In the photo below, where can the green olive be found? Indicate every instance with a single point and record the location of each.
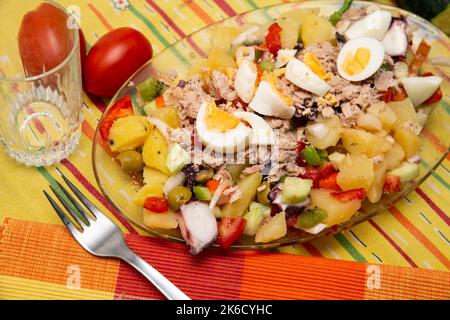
(130, 160)
(204, 175)
(178, 196)
(263, 195)
(235, 170)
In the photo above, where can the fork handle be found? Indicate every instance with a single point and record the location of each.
(167, 288)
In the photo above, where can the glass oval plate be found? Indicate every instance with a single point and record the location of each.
(119, 188)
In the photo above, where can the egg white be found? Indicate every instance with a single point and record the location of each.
(267, 101)
(376, 57)
(302, 76)
(244, 82)
(262, 133)
(225, 142)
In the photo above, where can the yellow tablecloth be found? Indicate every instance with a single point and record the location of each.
(415, 233)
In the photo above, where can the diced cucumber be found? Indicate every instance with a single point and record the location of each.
(295, 190)
(150, 89)
(310, 217)
(406, 171)
(177, 158)
(256, 213)
(202, 193)
(149, 107)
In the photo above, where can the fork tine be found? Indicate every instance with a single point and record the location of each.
(85, 217)
(70, 209)
(62, 215)
(92, 208)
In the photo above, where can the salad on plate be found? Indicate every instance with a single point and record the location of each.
(287, 125)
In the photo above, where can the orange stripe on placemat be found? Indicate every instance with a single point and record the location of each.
(391, 282)
(100, 17)
(435, 141)
(285, 276)
(199, 11)
(419, 236)
(48, 253)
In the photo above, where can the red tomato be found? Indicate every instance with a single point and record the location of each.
(113, 59)
(300, 146)
(393, 94)
(344, 196)
(312, 174)
(273, 39)
(437, 95)
(44, 39)
(325, 169)
(229, 230)
(392, 184)
(156, 204)
(120, 109)
(330, 182)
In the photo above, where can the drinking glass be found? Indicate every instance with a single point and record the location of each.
(40, 81)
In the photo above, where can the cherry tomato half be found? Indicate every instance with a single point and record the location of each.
(229, 230)
(113, 59)
(156, 204)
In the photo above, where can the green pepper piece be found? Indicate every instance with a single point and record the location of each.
(311, 156)
(267, 65)
(335, 17)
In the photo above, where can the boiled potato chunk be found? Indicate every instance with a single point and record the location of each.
(274, 229)
(356, 171)
(154, 152)
(405, 112)
(289, 32)
(386, 115)
(247, 186)
(376, 189)
(168, 114)
(338, 212)
(394, 156)
(362, 142)
(153, 176)
(148, 190)
(315, 29)
(166, 220)
(217, 60)
(324, 133)
(128, 133)
(223, 36)
(408, 141)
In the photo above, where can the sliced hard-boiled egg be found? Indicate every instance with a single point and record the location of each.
(244, 53)
(360, 58)
(314, 64)
(244, 82)
(374, 25)
(269, 101)
(302, 76)
(419, 89)
(220, 130)
(262, 133)
(283, 57)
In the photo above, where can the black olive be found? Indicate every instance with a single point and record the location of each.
(340, 38)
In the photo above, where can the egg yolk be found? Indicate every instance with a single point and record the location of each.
(219, 120)
(354, 64)
(314, 64)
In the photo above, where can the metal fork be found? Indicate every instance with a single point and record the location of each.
(101, 237)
